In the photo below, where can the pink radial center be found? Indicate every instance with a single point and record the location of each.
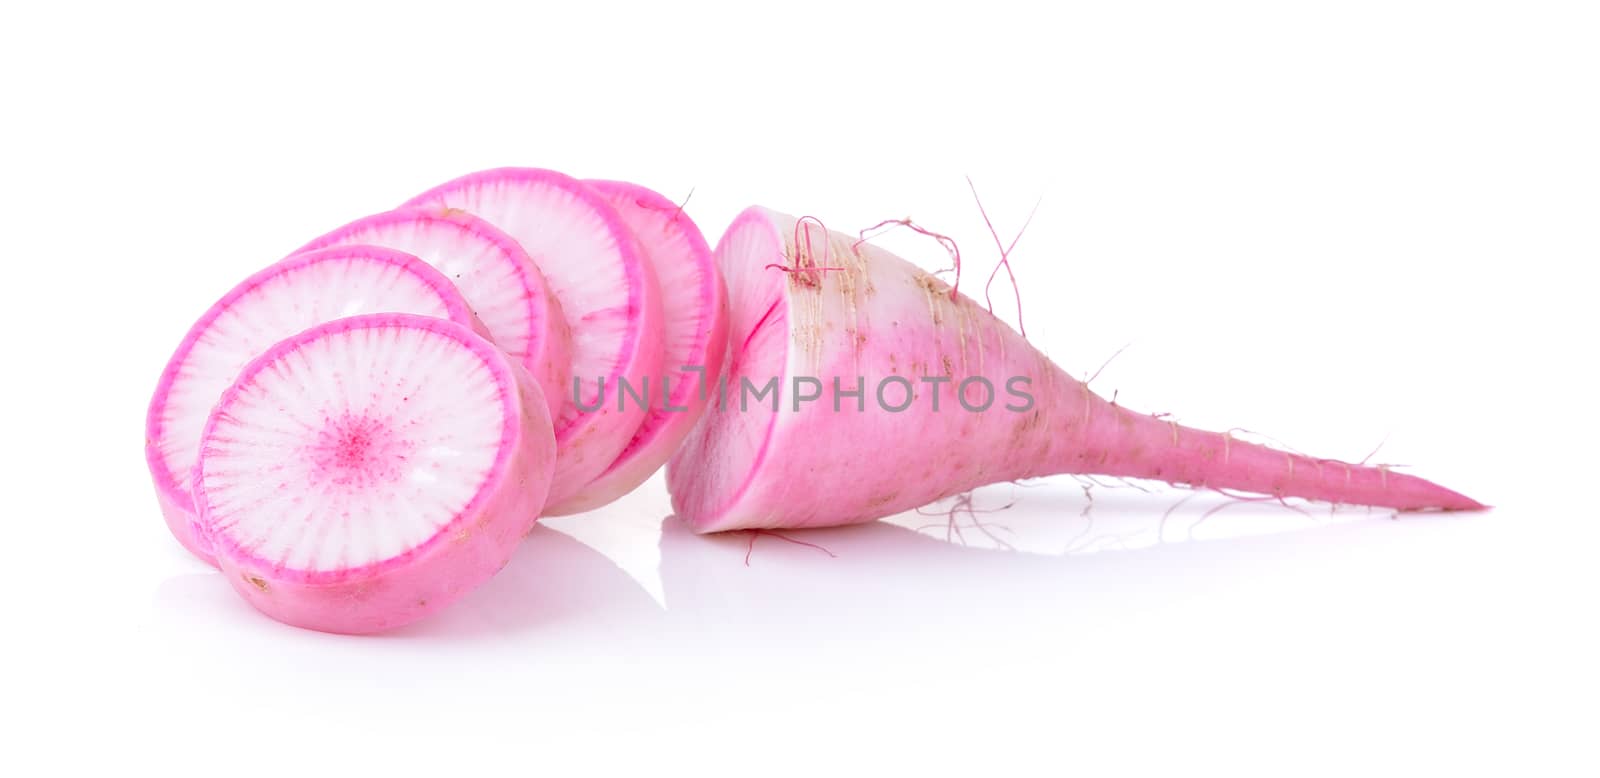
(357, 451)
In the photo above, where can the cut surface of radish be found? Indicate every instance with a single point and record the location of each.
(282, 300)
(607, 290)
(717, 463)
(502, 285)
(367, 472)
(694, 341)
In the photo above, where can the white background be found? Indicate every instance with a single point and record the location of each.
(1339, 223)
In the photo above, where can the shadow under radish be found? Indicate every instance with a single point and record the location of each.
(878, 584)
(1061, 573)
(556, 586)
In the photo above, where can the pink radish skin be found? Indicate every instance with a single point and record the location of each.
(607, 289)
(502, 285)
(370, 471)
(696, 321)
(279, 301)
(878, 316)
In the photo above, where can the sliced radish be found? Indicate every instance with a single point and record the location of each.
(714, 467)
(695, 339)
(501, 284)
(369, 471)
(286, 298)
(607, 290)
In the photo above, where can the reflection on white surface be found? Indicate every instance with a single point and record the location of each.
(1002, 553)
(630, 637)
(1024, 559)
(1078, 516)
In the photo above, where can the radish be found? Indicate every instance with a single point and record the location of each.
(695, 339)
(277, 302)
(369, 471)
(823, 315)
(502, 285)
(607, 290)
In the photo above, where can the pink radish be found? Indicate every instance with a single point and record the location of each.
(696, 322)
(502, 285)
(288, 297)
(607, 290)
(821, 306)
(369, 471)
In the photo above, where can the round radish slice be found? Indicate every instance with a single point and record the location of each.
(502, 285)
(607, 290)
(286, 298)
(369, 471)
(696, 334)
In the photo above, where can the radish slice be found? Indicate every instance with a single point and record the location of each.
(502, 285)
(607, 290)
(696, 334)
(284, 299)
(717, 464)
(369, 471)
